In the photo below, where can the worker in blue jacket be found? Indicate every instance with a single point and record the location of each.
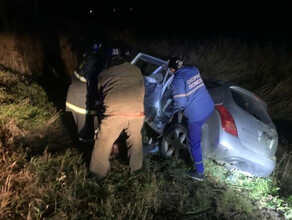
(193, 100)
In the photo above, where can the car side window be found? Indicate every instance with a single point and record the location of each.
(154, 70)
(146, 67)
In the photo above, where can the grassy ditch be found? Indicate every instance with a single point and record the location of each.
(58, 186)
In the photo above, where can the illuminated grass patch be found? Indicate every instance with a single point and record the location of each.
(264, 192)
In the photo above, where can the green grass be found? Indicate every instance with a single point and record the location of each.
(26, 116)
(246, 191)
(57, 185)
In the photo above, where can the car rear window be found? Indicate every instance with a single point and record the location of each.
(252, 105)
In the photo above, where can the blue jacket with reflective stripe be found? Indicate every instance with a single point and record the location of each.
(190, 94)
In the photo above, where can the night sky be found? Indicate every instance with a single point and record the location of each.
(254, 20)
(266, 20)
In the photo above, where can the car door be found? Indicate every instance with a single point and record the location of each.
(153, 70)
(166, 99)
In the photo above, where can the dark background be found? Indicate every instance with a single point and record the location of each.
(250, 20)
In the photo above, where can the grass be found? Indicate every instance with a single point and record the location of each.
(249, 191)
(57, 185)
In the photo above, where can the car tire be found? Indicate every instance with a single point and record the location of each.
(174, 142)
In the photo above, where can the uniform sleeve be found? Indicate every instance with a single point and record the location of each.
(179, 93)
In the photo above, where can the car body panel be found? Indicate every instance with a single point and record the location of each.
(253, 150)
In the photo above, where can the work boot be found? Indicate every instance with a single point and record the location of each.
(196, 176)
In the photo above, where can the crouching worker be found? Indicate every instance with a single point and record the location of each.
(121, 87)
(192, 98)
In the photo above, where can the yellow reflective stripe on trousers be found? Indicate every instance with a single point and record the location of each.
(76, 108)
(81, 78)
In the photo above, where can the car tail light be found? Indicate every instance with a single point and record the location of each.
(227, 121)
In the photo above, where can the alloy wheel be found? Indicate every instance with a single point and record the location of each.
(175, 141)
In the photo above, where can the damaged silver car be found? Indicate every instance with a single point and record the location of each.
(240, 133)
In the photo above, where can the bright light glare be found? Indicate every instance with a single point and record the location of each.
(90, 11)
(156, 104)
(227, 145)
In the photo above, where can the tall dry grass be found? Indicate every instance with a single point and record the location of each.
(33, 54)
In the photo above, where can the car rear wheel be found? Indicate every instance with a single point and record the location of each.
(175, 142)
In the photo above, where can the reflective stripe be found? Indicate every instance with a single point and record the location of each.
(183, 95)
(128, 114)
(199, 162)
(81, 110)
(76, 108)
(81, 78)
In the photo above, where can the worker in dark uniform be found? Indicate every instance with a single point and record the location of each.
(82, 93)
(193, 100)
(121, 86)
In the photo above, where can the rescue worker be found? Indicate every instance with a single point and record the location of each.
(121, 87)
(193, 100)
(82, 93)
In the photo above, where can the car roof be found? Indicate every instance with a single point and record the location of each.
(149, 58)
